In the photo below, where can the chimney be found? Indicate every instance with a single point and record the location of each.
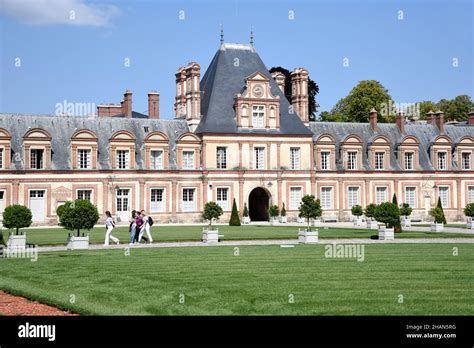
(299, 98)
(440, 120)
(180, 100)
(127, 103)
(470, 120)
(153, 104)
(193, 91)
(400, 120)
(430, 117)
(280, 80)
(373, 119)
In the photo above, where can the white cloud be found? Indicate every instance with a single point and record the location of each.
(66, 12)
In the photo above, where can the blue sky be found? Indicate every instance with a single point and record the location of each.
(82, 61)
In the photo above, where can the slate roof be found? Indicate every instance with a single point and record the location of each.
(223, 80)
(62, 128)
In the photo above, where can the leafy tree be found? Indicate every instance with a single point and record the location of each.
(357, 210)
(455, 109)
(405, 209)
(283, 210)
(425, 107)
(331, 117)
(398, 224)
(234, 217)
(313, 90)
(370, 210)
(212, 210)
(274, 211)
(310, 208)
(440, 206)
(246, 211)
(2, 241)
(438, 215)
(388, 213)
(78, 215)
(17, 216)
(469, 210)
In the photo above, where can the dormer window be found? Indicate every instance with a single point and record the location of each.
(258, 116)
(352, 160)
(36, 159)
(442, 165)
(379, 160)
(156, 159)
(466, 160)
(188, 160)
(325, 155)
(409, 160)
(123, 159)
(84, 158)
(1, 158)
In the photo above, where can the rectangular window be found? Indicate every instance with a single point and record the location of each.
(466, 160)
(123, 159)
(156, 159)
(221, 158)
(442, 164)
(259, 158)
(122, 200)
(379, 160)
(352, 160)
(1, 158)
(36, 193)
(325, 160)
(410, 196)
(353, 196)
(295, 157)
(295, 198)
(380, 195)
(84, 194)
(188, 159)
(84, 158)
(188, 199)
(36, 159)
(444, 196)
(258, 116)
(223, 197)
(470, 194)
(326, 197)
(409, 160)
(156, 201)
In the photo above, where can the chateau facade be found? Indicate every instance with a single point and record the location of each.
(234, 135)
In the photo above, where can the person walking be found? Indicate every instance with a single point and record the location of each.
(133, 227)
(139, 224)
(145, 227)
(109, 225)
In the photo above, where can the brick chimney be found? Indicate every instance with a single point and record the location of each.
(440, 120)
(153, 104)
(279, 79)
(180, 100)
(127, 103)
(373, 119)
(430, 117)
(299, 98)
(400, 120)
(470, 120)
(109, 110)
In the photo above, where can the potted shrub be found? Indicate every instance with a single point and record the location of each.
(76, 216)
(389, 214)
(246, 214)
(369, 213)
(15, 217)
(310, 208)
(398, 225)
(405, 212)
(234, 217)
(438, 216)
(357, 211)
(212, 211)
(469, 212)
(283, 214)
(273, 211)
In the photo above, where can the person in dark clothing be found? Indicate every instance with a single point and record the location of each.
(138, 222)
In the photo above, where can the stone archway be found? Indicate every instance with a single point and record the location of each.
(259, 200)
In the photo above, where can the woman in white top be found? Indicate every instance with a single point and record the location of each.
(109, 225)
(145, 228)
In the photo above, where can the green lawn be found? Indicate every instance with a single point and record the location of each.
(260, 280)
(57, 236)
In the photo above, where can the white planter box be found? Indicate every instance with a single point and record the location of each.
(246, 219)
(406, 222)
(16, 241)
(305, 237)
(316, 222)
(386, 233)
(470, 224)
(301, 220)
(210, 236)
(372, 224)
(283, 219)
(78, 243)
(437, 227)
(358, 221)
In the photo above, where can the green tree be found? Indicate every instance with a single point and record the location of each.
(78, 215)
(469, 210)
(17, 216)
(370, 210)
(388, 213)
(425, 107)
(283, 210)
(455, 109)
(246, 210)
(273, 211)
(440, 206)
(398, 224)
(212, 211)
(357, 210)
(310, 208)
(438, 215)
(234, 217)
(405, 209)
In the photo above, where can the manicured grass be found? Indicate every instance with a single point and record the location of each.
(447, 225)
(58, 236)
(261, 280)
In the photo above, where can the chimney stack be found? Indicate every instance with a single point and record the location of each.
(440, 120)
(400, 120)
(153, 104)
(180, 103)
(373, 119)
(127, 103)
(299, 98)
(470, 120)
(280, 80)
(430, 117)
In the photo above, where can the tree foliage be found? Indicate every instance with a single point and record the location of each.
(398, 225)
(274, 211)
(405, 209)
(469, 210)
(17, 216)
(310, 208)
(370, 210)
(212, 211)
(440, 207)
(388, 213)
(78, 215)
(438, 215)
(246, 210)
(283, 210)
(234, 217)
(357, 210)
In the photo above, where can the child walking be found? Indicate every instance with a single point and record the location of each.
(109, 225)
(145, 227)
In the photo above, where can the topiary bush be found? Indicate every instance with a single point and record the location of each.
(440, 206)
(212, 211)
(283, 210)
(438, 215)
(310, 208)
(78, 215)
(274, 211)
(234, 217)
(246, 211)
(469, 210)
(388, 213)
(398, 225)
(17, 216)
(356, 210)
(370, 210)
(405, 210)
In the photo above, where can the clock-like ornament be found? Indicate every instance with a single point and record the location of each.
(258, 91)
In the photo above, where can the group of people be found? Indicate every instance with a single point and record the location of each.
(140, 224)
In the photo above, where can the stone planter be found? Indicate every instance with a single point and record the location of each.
(210, 236)
(470, 224)
(386, 233)
(246, 220)
(16, 241)
(283, 219)
(437, 227)
(306, 237)
(406, 222)
(316, 222)
(358, 221)
(372, 224)
(78, 243)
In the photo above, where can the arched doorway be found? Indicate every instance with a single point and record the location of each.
(258, 204)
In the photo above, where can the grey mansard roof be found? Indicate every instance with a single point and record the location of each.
(224, 78)
(61, 128)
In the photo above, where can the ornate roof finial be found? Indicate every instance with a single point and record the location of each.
(251, 35)
(222, 34)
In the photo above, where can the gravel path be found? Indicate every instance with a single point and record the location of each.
(19, 306)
